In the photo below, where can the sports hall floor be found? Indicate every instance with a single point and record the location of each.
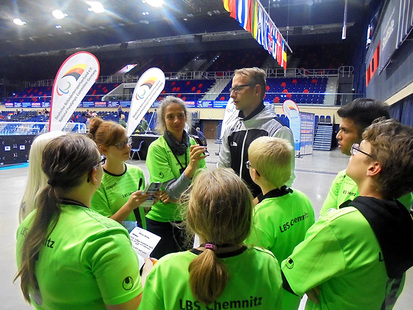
(314, 174)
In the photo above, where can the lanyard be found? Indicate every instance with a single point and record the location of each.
(186, 160)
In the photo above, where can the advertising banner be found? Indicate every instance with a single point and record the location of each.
(149, 86)
(293, 113)
(73, 80)
(307, 133)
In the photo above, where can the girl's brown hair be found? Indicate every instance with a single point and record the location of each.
(106, 133)
(66, 161)
(219, 211)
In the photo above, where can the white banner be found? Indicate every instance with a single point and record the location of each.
(293, 113)
(149, 86)
(230, 115)
(75, 77)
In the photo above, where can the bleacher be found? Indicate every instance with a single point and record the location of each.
(187, 90)
(300, 90)
(44, 93)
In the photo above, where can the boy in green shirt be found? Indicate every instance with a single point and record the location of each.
(356, 116)
(283, 216)
(352, 257)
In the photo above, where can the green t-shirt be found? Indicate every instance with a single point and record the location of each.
(254, 283)
(163, 167)
(86, 262)
(344, 188)
(115, 191)
(279, 224)
(341, 256)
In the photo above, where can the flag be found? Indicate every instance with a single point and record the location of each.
(254, 22)
(284, 56)
(147, 89)
(73, 80)
(293, 113)
(253, 18)
(279, 48)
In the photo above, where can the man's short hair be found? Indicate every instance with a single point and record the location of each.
(255, 75)
(271, 157)
(363, 111)
(392, 146)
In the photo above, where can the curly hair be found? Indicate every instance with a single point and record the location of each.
(392, 146)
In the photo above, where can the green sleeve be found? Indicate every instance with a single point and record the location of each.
(315, 260)
(150, 297)
(111, 259)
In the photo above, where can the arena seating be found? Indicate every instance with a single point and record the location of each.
(187, 90)
(43, 94)
(300, 90)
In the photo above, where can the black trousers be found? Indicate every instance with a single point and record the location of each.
(173, 238)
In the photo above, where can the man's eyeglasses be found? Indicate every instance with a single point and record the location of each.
(237, 89)
(121, 145)
(248, 165)
(356, 148)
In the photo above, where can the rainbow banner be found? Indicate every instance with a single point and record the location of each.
(147, 89)
(252, 16)
(293, 113)
(73, 80)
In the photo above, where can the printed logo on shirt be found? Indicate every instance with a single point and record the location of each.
(127, 194)
(234, 144)
(252, 302)
(127, 283)
(293, 222)
(112, 186)
(49, 243)
(346, 192)
(161, 175)
(290, 263)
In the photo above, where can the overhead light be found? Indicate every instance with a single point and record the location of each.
(19, 22)
(154, 3)
(58, 26)
(58, 14)
(95, 6)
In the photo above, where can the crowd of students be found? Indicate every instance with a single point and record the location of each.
(74, 253)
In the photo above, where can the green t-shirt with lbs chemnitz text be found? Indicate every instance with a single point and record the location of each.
(344, 188)
(86, 262)
(279, 224)
(254, 283)
(163, 167)
(340, 255)
(115, 190)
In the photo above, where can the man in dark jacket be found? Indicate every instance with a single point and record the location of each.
(254, 120)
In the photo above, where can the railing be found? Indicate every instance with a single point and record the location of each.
(35, 128)
(195, 75)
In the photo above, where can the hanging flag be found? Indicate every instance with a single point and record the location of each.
(73, 80)
(252, 16)
(147, 89)
(284, 57)
(279, 49)
(254, 22)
